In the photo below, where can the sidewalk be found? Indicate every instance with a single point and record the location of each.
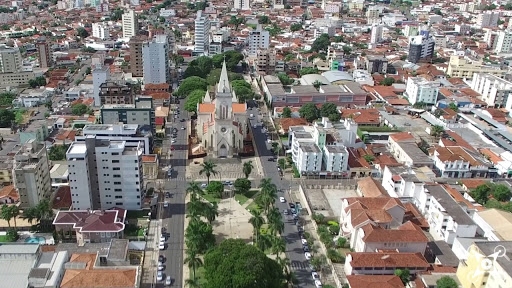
(186, 270)
(151, 255)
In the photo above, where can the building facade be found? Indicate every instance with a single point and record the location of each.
(155, 60)
(258, 40)
(141, 113)
(241, 4)
(136, 58)
(44, 53)
(461, 67)
(202, 34)
(100, 31)
(494, 90)
(418, 89)
(130, 24)
(421, 47)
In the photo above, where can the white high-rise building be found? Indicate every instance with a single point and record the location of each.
(104, 174)
(376, 35)
(419, 89)
(202, 34)
(258, 40)
(242, 4)
(10, 59)
(155, 60)
(130, 24)
(503, 42)
(101, 31)
(100, 75)
(488, 19)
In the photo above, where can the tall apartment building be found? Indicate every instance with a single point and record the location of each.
(258, 39)
(503, 42)
(31, 173)
(491, 38)
(418, 89)
(43, 52)
(101, 31)
(278, 4)
(130, 24)
(201, 34)
(462, 67)
(116, 93)
(494, 90)
(104, 174)
(136, 59)
(132, 134)
(376, 33)
(10, 59)
(376, 64)
(488, 19)
(421, 47)
(141, 113)
(242, 4)
(265, 61)
(373, 15)
(100, 75)
(155, 60)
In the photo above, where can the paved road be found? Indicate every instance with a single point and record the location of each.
(173, 217)
(294, 252)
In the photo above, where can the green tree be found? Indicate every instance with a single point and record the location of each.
(501, 192)
(233, 263)
(58, 152)
(295, 27)
(6, 118)
(177, 59)
(347, 50)
(446, 282)
(199, 236)
(193, 261)
(247, 168)
(308, 70)
(190, 84)
(242, 186)
(278, 245)
(195, 97)
(319, 263)
(481, 193)
(388, 81)
(309, 111)
(194, 190)
(42, 213)
(453, 106)
(285, 80)
(236, 21)
(192, 283)
(6, 98)
(6, 213)
(37, 82)
(281, 163)
(321, 43)
(243, 93)
(437, 130)
(215, 188)
(79, 109)
(264, 20)
(256, 221)
(403, 274)
(328, 109)
(208, 169)
(200, 67)
(287, 113)
(81, 32)
(267, 195)
(232, 58)
(214, 76)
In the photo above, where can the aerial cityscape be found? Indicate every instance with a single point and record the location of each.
(255, 144)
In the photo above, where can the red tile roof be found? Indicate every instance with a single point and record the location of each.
(406, 233)
(62, 198)
(374, 281)
(93, 221)
(9, 192)
(385, 260)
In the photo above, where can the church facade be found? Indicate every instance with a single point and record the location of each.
(222, 122)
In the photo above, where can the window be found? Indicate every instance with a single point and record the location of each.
(117, 176)
(115, 161)
(116, 168)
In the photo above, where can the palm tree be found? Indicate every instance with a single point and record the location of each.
(283, 262)
(318, 262)
(264, 242)
(15, 210)
(256, 221)
(208, 169)
(276, 226)
(193, 261)
(29, 214)
(290, 277)
(278, 245)
(6, 214)
(437, 130)
(268, 193)
(192, 283)
(247, 168)
(211, 212)
(194, 208)
(194, 190)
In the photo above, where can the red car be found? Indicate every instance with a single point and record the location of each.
(172, 148)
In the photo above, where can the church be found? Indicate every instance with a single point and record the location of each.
(222, 122)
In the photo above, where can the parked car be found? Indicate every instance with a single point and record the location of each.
(161, 258)
(166, 204)
(282, 200)
(315, 275)
(308, 256)
(161, 246)
(159, 276)
(168, 281)
(318, 284)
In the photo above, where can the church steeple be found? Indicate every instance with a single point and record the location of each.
(223, 86)
(207, 98)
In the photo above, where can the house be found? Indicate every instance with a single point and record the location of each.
(358, 211)
(405, 238)
(9, 195)
(150, 166)
(370, 187)
(403, 147)
(62, 199)
(488, 265)
(458, 162)
(91, 226)
(374, 281)
(384, 263)
(494, 224)
(363, 117)
(84, 270)
(402, 182)
(59, 175)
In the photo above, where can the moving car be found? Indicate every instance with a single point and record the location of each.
(285, 212)
(162, 238)
(308, 257)
(167, 195)
(182, 127)
(160, 276)
(168, 281)
(291, 205)
(282, 200)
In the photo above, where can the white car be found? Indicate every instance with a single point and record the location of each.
(282, 200)
(159, 276)
(315, 276)
(166, 204)
(182, 127)
(204, 185)
(160, 267)
(304, 242)
(168, 281)
(162, 238)
(307, 255)
(161, 246)
(318, 284)
(173, 141)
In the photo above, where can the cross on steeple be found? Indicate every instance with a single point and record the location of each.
(224, 57)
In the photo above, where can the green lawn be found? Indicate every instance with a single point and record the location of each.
(199, 275)
(242, 198)
(3, 238)
(132, 230)
(253, 206)
(210, 198)
(134, 214)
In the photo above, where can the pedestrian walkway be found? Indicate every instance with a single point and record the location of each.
(299, 265)
(150, 255)
(186, 270)
(249, 202)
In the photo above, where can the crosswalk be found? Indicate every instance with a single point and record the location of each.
(298, 265)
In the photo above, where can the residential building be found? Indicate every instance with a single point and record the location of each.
(488, 265)
(503, 42)
(155, 55)
(101, 31)
(382, 281)
(105, 174)
(403, 147)
(494, 224)
(494, 90)
(8, 195)
(43, 53)
(265, 62)
(421, 47)
(6, 165)
(15, 79)
(488, 19)
(28, 265)
(458, 162)
(419, 89)
(385, 263)
(447, 219)
(10, 59)
(111, 92)
(130, 24)
(130, 133)
(31, 173)
(222, 124)
(59, 176)
(141, 113)
(100, 76)
(150, 166)
(376, 64)
(136, 57)
(201, 34)
(241, 4)
(259, 39)
(460, 67)
(37, 131)
(33, 97)
(402, 182)
(373, 15)
(376, 33)
(91, 226)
